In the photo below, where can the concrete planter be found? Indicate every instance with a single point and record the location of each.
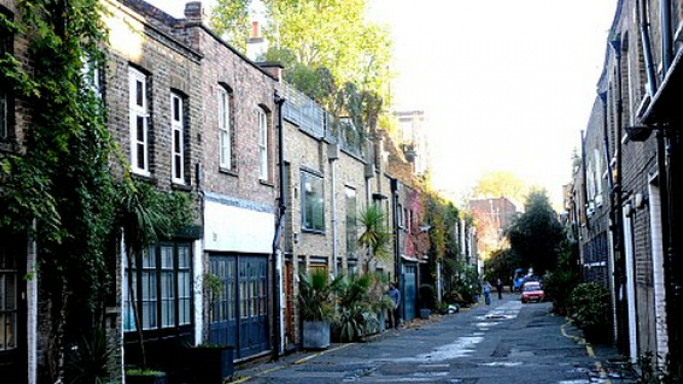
(212, 364)
(316, 335)
(425, 313)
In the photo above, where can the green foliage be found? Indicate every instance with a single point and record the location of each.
(333, 34)
(89, 362)
(316, 295)
(561, 281)
(589, 305)
(647, 371)
(536, 234)
(466, 286)
(360, 298)
(230, 19)
(376, 237)
(501, 265)
(500, 184)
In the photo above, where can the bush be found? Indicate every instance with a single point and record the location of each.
(589, 305)
(427, 296)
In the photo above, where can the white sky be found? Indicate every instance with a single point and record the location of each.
(505, 85)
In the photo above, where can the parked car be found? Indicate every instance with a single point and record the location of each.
(532, 291)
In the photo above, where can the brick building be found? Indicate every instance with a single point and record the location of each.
(634, 129)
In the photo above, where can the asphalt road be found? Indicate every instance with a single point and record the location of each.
(505, 343)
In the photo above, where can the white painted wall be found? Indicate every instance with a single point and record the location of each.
(233, 228)
(658, 272)
(630, 287)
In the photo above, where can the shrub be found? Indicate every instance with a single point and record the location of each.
(589, 304)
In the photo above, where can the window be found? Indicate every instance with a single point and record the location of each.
(177, 139)
(139, 122)
(5, 48)
(263, 144)
(313, 211)
(224, 127)
(351, 220)
(161, 286)
(9, 300)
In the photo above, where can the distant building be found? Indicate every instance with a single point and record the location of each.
(492, 217)
(411, 137)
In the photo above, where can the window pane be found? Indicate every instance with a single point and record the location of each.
(166, 257)
(183, 257)
(176, 108)
(139, 93)
(176, 141)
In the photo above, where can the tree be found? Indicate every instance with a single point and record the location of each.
(230, 19)
(331, 35)
(500, 184)
(536, 235)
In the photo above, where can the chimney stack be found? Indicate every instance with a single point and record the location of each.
(194, 13)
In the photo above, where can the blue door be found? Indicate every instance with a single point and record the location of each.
(409, 290)
(239, 316)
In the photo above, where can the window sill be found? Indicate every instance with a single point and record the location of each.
(228, 172)
(181, 187)
(266, 183)
(145, 178)
(313, 231)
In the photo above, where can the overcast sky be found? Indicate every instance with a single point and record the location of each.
(505, 85)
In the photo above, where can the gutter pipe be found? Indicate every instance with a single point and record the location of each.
(282, 209)
(647, 49)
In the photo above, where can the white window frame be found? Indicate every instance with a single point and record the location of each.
(138, 112)
(263, 144)
(177, 139)
(224, 129)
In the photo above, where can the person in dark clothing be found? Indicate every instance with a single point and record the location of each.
(395, 296)
(499, 288)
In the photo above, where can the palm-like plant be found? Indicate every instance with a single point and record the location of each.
(376, 237)
(315, 295)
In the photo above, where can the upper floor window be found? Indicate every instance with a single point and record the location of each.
(225, 128)
(312, 202)
(177, 139)
(139, 122)
(351, 220)
(263, 144)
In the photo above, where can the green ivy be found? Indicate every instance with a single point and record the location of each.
(60, 189)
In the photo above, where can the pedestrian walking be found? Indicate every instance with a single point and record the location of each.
(499, 288)
(487, 292)
(395, 296)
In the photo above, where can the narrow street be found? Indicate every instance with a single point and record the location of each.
(507, 342)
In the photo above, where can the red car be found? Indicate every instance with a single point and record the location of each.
(532, 291)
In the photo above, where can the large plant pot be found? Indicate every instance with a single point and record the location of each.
(211, 364)
(425, 313)
(157, 378)
(316, 335)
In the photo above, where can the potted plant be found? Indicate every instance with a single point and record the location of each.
(316, 308)
(145, 376)
(214, 362)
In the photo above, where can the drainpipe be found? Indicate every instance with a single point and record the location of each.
(667, 39)
(333, 160)
(622, 330)
(397, 250)
(584, 187)
(282, 209)
(647, 49)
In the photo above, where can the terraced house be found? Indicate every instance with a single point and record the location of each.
(628, 182)
(195, 122)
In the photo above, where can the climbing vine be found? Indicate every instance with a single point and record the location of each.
(59, 188)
